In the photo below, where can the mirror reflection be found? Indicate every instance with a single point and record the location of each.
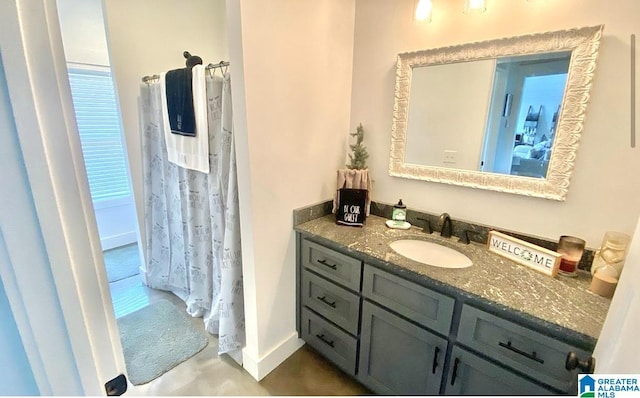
(493, 115)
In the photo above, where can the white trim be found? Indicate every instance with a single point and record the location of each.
(34, 61)
(258, 368)
(114, 241)
(94, 67)
(20, 315)
(105, 204)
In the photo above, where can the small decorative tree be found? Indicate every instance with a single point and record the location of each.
(359, 157)
(355, 177)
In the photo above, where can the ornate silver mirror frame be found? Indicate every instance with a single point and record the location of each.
(583, 44)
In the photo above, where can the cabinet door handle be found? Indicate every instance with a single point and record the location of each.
(586, 366)
(331, 304)
(435, 360)
(533, 356)
(324, 340)
(326, 264)
(456, 362)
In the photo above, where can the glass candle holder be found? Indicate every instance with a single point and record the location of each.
(571, 249)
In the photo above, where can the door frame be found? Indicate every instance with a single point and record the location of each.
(34, 64)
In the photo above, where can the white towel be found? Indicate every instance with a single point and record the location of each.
(189, 152)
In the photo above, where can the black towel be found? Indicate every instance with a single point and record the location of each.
(179, 93)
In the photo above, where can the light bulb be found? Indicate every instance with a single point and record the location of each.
(474, 6)
(422, 12)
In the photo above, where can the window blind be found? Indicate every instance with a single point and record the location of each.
(98, 121)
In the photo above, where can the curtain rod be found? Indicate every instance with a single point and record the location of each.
(221, 64)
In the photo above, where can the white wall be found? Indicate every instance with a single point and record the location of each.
(291, 108)
(603, 192)
(83, 31)
(146, 37)
(116, 221)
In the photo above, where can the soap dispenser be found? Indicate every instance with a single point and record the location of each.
(399, 214)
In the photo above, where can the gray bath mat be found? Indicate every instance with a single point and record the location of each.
(157, 338)
(122, 262)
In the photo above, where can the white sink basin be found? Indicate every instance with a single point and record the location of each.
(431, 253)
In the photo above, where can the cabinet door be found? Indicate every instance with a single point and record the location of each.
(471, 375)
(398, 357)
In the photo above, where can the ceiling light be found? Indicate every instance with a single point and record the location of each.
(422, 12)
(474, 6)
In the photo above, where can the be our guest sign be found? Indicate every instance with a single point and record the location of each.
(351, 206)
(525, 253)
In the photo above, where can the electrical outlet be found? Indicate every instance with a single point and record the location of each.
(450, 157)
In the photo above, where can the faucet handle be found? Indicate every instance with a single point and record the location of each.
(427, 225)
(464, 238)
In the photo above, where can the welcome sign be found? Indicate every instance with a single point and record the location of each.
(525, 253)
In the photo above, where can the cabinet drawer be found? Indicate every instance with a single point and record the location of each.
(331, 264)
(338, 346)
(471, 375)
(421, 305)
(335, 303)
(532, 353)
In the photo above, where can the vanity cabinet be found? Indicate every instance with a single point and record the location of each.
(400, 337)
(468, 374)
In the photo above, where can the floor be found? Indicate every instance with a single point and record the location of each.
(207, 373)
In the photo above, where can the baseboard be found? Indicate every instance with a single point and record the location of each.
(143, 275)
(118, 240)
(258, 368)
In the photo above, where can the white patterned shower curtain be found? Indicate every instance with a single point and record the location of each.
(192, 218)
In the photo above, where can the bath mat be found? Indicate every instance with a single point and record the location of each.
(122, 262)
(157, 338)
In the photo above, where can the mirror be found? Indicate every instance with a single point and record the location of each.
(504, 115)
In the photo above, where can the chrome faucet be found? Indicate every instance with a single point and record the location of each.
(445, 220)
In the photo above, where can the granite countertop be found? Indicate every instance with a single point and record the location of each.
(562, 305)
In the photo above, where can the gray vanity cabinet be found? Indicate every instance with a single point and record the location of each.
(471, 375)
(399, 337)
(398, 357)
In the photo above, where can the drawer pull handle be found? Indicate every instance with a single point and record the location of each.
(326, 264)
(324, 340)
(533, 356)
(435, 360)
(331, 304)
(455, 370)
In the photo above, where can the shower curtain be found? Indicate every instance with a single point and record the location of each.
(192, 218)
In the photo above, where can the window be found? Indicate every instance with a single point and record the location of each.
(98, 120)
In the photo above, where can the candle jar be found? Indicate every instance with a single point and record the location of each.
(571, 249)
(609, 259)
